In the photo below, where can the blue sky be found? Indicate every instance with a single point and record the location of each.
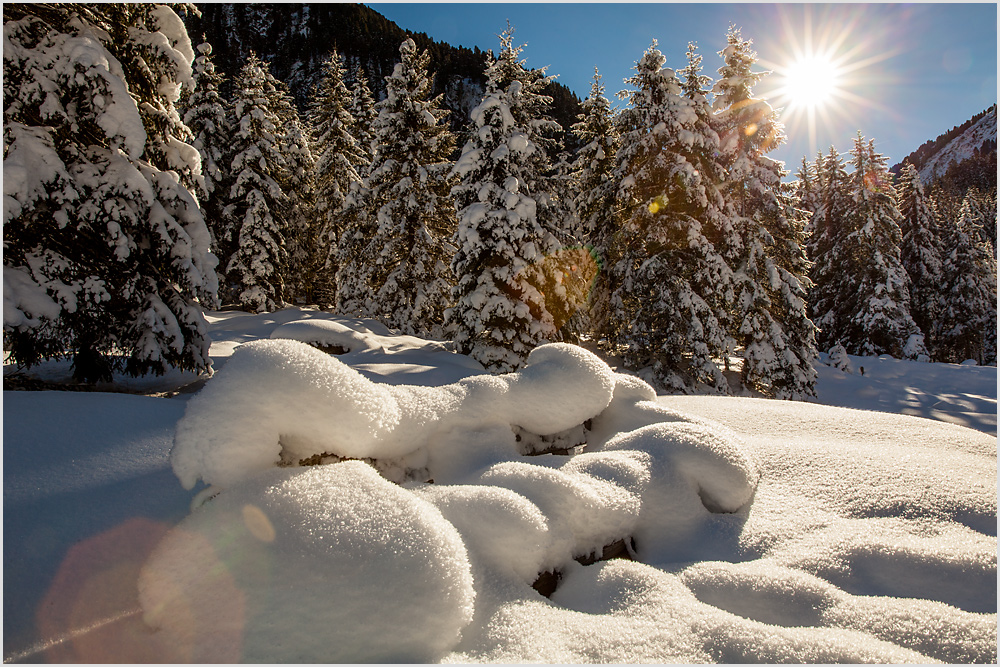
(908, 72)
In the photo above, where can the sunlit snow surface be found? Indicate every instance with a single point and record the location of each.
(763, 531)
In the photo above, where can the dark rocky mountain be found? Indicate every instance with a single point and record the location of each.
(295, 39)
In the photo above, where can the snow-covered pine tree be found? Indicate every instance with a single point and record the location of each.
(669, 278)
(921, 251)
(296, 176)
(258, 209)
(338, 159)
(500, 314)
(879, 320)
(967, 324)
(830, 295)
(409, 196)
(807, 195)
(593, 171)
(983, 211)
(770, 322)
(106, 253)
(363, 112)
(206, 114)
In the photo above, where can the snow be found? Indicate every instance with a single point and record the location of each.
(961, 147)
(934, 391)
(330, 539)
(762, 531)
(24, 300)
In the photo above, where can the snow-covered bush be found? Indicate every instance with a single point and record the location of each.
(839, 359)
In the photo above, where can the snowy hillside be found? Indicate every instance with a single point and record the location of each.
(738, 529)
(961, 147)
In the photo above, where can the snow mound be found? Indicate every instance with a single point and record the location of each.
(233, 427)
(283, 401)
(559, 387)
(584, 513)
(501, 529)
(326, 564)
(620, 599)
(767, 593)
(326, 334)
(695, 472)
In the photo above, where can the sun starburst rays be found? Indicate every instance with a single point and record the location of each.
(823, 77)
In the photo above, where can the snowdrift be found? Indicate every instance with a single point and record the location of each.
(385, 501)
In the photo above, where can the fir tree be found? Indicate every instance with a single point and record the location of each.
(595, 189)
(770, 323)
(670, 280)
(807, 194)
(877, 287)
(106, 253)
(829, 296)
(206, 114)
(968, 304)
(500, 314)
(363, 112)
(338, 159)
(257, 214)
(409, 194)
(295, 175)
(921, 251)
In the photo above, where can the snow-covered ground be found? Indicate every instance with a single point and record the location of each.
(761, 531)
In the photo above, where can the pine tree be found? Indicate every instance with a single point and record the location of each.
(500, 314)
(879, 320)
(363, 112)
(295, 174)
(258, 213)
(106, 253)
(968, 304)
(595, 190)
(206, 115)
(829, 296)
(807, 194)
(670, 280)
(921, 251)
(409, 194)
(338, 158)
(770, 320)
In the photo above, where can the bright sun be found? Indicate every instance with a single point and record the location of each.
(824, 68)
(811, 82)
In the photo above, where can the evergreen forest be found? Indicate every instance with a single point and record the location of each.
(157, 166)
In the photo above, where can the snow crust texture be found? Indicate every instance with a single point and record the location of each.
(740, 530)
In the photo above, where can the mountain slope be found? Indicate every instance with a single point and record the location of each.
(976, 136)
(962, 147)
(295, 39)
